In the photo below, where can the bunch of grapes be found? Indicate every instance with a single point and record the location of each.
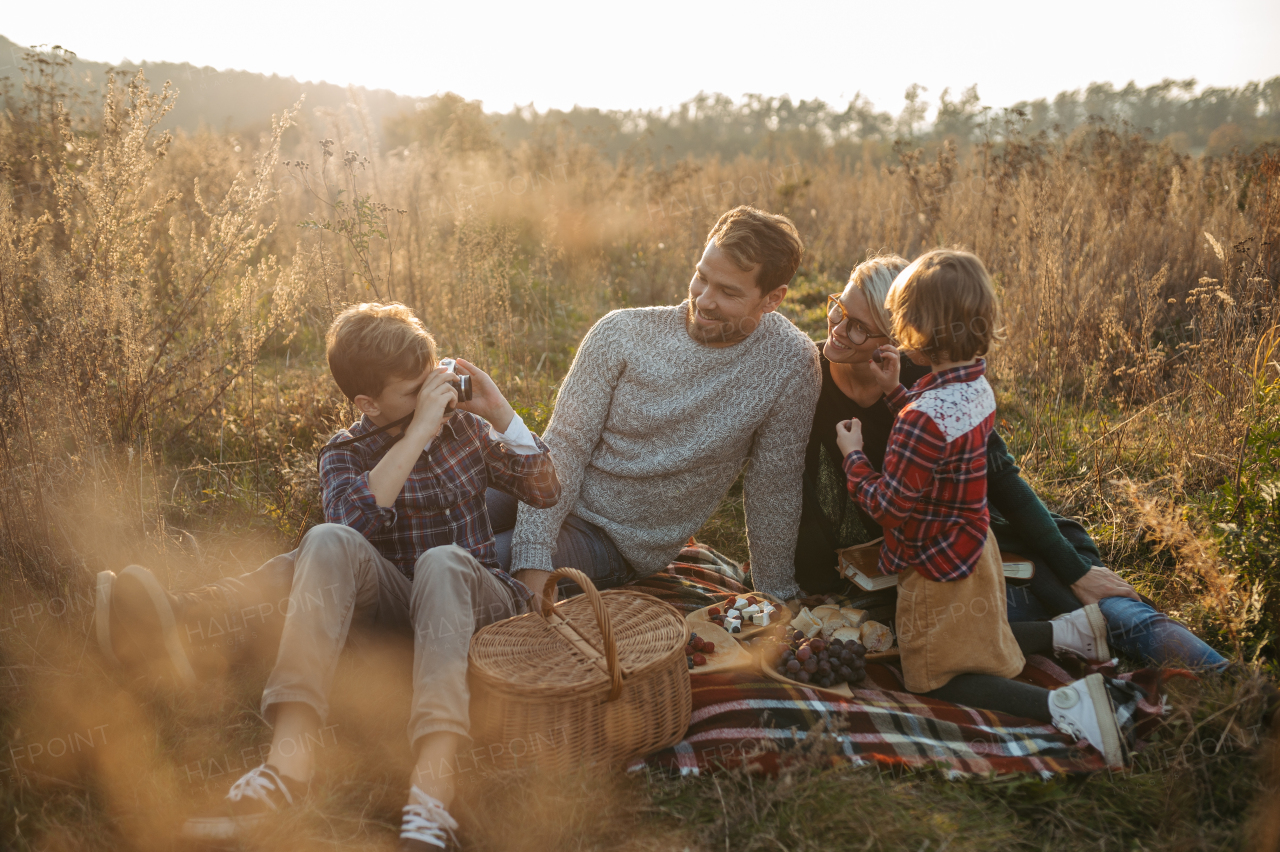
(696, 651)
(820, 662)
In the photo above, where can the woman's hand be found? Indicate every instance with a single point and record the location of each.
(886, 367)
(1102, 583)
(486, 400)
(849, 436)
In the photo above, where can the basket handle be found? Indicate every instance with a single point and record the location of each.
(602, 620)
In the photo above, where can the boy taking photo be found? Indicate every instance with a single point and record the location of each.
(407, 546)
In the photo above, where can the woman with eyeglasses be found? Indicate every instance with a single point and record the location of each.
(1069, 569)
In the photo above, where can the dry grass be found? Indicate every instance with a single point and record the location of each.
(161, 313)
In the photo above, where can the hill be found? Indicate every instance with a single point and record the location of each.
(230, 101)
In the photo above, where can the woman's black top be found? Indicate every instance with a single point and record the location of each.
(830, 519)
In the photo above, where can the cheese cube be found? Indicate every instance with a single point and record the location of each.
(749, 610)
(730, 623)
(733, 613)
(760, 618)
(739, 603)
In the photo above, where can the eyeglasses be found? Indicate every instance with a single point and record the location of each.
(853, 329)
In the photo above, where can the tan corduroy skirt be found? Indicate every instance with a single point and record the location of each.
(960, 627)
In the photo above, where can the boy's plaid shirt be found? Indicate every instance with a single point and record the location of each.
(931, 499)
(442, 501)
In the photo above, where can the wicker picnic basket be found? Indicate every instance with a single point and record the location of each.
(591, 682)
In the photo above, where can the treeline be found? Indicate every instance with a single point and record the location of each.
(1214, 121)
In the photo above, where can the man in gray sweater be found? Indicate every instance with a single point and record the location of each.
(658, 414)
(663, 406)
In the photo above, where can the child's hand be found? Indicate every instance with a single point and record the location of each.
(887, 368)
(849, 436)
(486, 400)
(434, 401)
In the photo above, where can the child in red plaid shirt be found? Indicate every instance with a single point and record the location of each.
(931, 500)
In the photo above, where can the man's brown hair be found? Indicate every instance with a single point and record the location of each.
(371, 345)
(751, 238)
(944, 306)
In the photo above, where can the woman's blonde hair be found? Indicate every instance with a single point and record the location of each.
(944, 305)
(873, 277)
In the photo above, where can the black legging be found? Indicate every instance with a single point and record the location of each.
(1000, 693)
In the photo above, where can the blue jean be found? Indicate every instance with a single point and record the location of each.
(1134, 628)
(581, 545)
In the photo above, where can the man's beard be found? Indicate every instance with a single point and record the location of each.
(724, 332)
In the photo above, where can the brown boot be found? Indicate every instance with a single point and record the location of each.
(147, 631)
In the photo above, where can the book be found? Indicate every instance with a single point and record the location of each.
(861, 565)
(1018, 569)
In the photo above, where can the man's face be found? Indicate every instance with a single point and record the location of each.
(725, 305)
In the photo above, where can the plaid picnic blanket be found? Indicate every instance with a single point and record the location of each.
(743, 718)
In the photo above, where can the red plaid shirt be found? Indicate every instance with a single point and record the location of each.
(442, 501)
(931, 499)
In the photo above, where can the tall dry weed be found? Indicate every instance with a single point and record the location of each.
(163, 302)
(1135, 280)
(126, 320)
(1206, 580)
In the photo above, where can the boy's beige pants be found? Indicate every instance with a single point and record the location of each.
(960, 627)
(340, 577)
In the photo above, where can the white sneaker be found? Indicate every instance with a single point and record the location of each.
(1084, 710)
(426, 825)
(1083, 632)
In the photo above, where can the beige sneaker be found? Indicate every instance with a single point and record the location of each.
(1082, 632)
(144, 629)
(1084, 710)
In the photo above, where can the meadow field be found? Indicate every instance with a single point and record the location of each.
(163, 302)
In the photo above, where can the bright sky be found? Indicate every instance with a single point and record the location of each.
(556, 54)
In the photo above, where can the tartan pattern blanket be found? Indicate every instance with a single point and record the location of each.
(742, 718)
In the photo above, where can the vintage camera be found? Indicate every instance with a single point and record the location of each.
(462, 384)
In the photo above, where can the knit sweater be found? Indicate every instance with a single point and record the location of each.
(651, 428)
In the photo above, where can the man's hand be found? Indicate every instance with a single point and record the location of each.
(1102, 583)
(849, 436)
(434, 401)
(536, 581)
(888, 369)
(486, 400)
